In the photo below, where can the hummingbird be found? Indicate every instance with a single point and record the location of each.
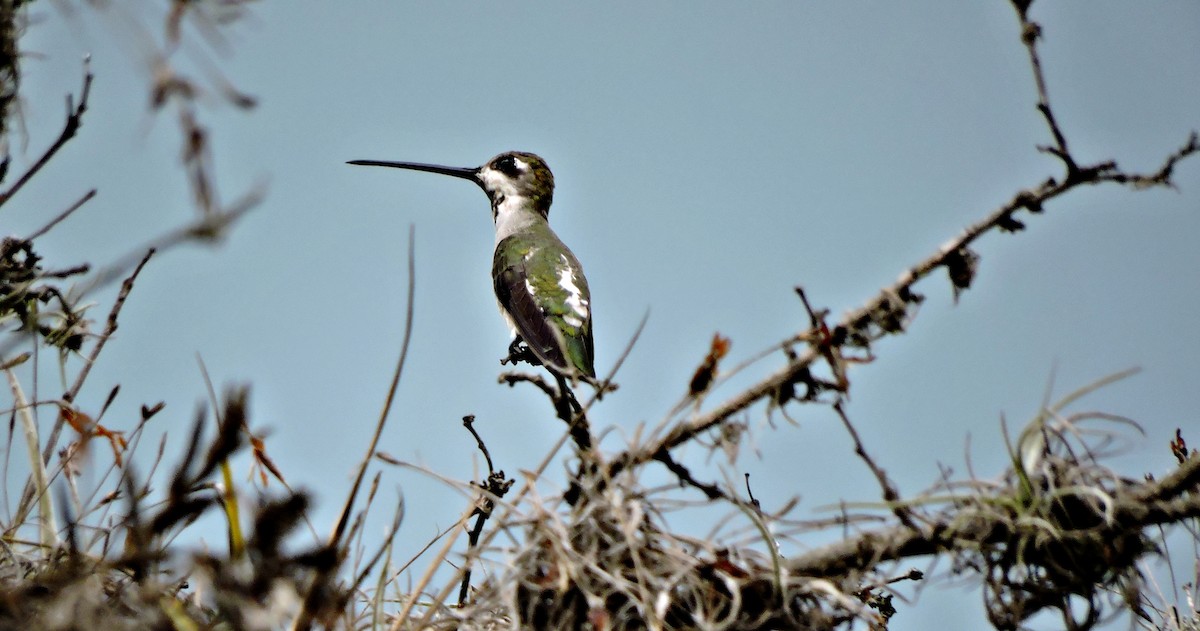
(539, 284)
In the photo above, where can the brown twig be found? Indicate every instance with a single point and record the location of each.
(469, 423)
(483, 508)
(110, 327)
(1162, 177)
(397, 519)
(606, 384)
(209, 227)
(1031, 32)
(403, 616)
(496, 486)
(513, 378)
(750, 492)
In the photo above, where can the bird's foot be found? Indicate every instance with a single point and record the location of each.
(519, 352)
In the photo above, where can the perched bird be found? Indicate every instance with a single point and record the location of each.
(539, 283)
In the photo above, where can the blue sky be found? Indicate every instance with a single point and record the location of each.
(708, 158)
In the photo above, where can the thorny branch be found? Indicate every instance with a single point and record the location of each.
(890, 311)
(1021, 539)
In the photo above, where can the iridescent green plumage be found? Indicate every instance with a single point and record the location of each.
(541, 288)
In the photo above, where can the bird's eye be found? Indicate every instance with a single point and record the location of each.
(506, 165)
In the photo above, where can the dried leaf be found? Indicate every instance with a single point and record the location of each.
(707, 372)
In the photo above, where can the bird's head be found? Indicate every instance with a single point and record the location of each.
(518, 174)
(511, 176)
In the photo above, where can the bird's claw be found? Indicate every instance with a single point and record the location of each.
(518, 352)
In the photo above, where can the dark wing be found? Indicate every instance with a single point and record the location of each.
(544, 309)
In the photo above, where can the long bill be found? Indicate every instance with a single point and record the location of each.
(459, 172)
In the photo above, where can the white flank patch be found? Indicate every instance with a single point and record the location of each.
(575, 298)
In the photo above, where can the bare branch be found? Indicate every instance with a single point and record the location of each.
(1162, 177)
(712, 491)
(889, 311)
(63, 215)
(74, 120)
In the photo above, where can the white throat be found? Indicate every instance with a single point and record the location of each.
(513, 215)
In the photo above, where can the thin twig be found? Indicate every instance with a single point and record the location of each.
(110, 327)
(74, 120)
(469, 423)
(415, 594)
(749, 492)
(513, 378)
(387, 542)
(339, 529)
(206, 228)
(63, 215)
(209, 227)
(606, 384)
(1031, 32)
(1162, 177)
(496, 486)
(526, 488)
(303, 620)
(890, 494)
